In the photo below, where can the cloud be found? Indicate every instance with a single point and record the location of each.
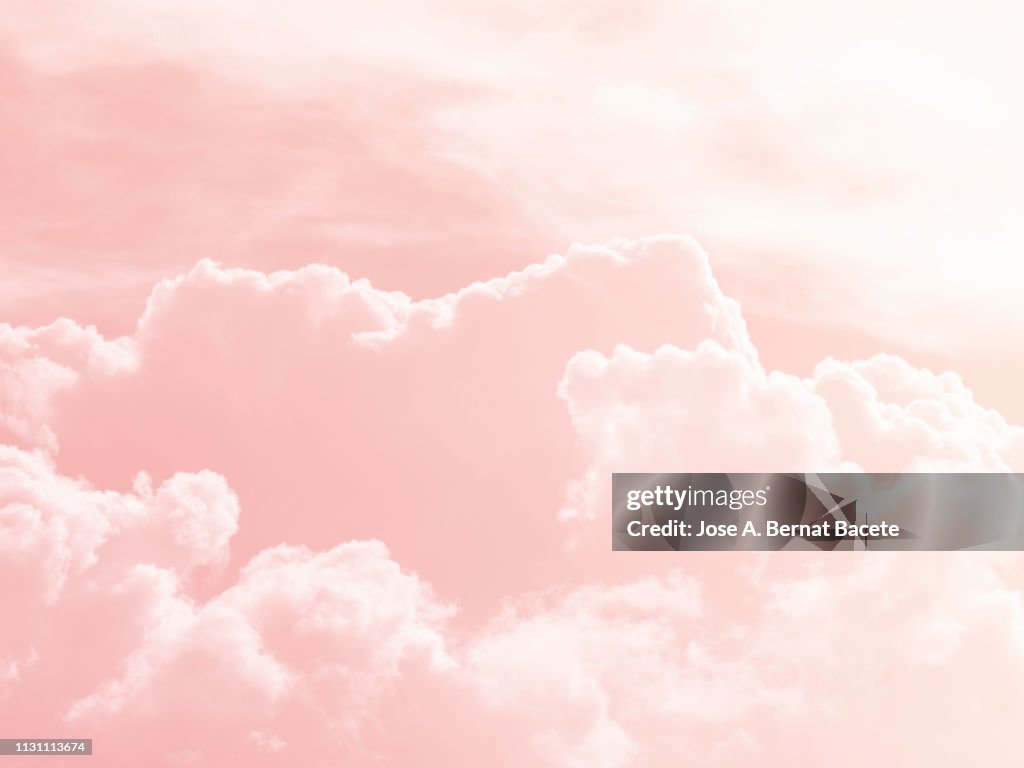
(54, 527)
(890, 415)
(83, 571)
(781, 663)
(712, 410)
(355, 406)
(110, 631)
(338, 415)
(577, 675)
(38, 363)
(315, 656)
(294, 658)
(704, 410)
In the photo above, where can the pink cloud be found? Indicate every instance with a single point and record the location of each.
(713, 410)
(37, 363)
(292, 659)
(890, 414)
(83, 570)
(298, 387)
(112, 637)
(315, 655)
(249, 409)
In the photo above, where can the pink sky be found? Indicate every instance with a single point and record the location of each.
(323, 328)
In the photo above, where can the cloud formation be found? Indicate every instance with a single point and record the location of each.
(711, 408)
(249, 409)
(109, 632)
(37, 363)
(316, 656)
(82, 569)
(315, 392)
(266, 513)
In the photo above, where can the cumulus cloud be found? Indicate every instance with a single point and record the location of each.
(787, 667)
(355, 406)
(107, 630)
(891, 416)
(85, 575)
(713, 410)
(341, 654)
(709, 410)
(55, 527)
(38, 363)
(312, 655)
(576, 675)
(448, 428)
(293, 658)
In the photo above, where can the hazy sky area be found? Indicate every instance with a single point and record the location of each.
(851, 169)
